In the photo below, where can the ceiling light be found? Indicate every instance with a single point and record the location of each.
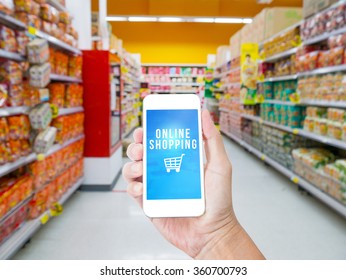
(247, 20)
(110, 18)
(170, 19)
(228, 20)
(206, 20)
(142, 19)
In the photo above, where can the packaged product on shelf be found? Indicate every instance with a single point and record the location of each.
(75, 66)
(64, 17)
(61, 63)
(32, 96)
(49, 13)
(7, 6)
(45, 140)
(38, 51)
(29, 20)
(4, 130)
(19, 127)
(27, 6)
(3, 94)
(11, 72)
(70, 30)
(68, 127)
(15, 97)
(8, 40)
(22, 40)
(74, 95)
(57, 94)
(40, 116)
(70, 40)
(40, 75)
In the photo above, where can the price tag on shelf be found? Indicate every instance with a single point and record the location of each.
(295, 180)
(263, 157)
(261, 121)
(44, 219)
(56, 210)
(218, 96)
(41, 157)
(295, 131)
(32, 30)
(55, 110)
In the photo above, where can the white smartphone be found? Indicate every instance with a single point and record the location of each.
(173, 172)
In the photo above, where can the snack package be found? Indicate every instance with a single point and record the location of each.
(3, 94)
(57, 94)
(74, 95)
(45, 140)
(40, 116)
(30, 20)
(75, 66)
(8, 40)
(15, 97)
(64, 17)
(49, 13)
(4, 130)
(22, 40)
(70, 30)
(38, 51)
(7, 6)
(27, 6)
(19, 127)
(61, 63)
(11, 72)
(40, 75)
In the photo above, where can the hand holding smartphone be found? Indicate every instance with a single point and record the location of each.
(173, 177)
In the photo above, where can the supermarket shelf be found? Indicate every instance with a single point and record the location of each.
(115, 113)
(96, 38)
(58, 147)
(280, 33)
(11, 55)
(10, 111)
(224, 110)
(324, 36)
(335, 104)
(69, 111)
(282, 78)
(126, 134)
(324, 70)
(218, 90)
(11, 22)
(177, 84)
(15, 209)
(9, 167)
(280, 102)
(232, 85)
(183, 91)
(331, 202)
(56, 5)
(123, 112)
(174, 64)
(313, 136)
(62, 78)
(174, 75)
(280, 55)
(58, 43)
(29, 228)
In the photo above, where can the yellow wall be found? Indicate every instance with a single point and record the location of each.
(180, 42)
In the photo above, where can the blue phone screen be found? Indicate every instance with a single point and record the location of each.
(173, 161)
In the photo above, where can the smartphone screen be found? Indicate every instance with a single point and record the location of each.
(173, 155)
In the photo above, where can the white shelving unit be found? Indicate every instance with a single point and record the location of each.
(328, 200)
(62, 78)
(9, 167)
(56, 5)
(282, 78)
(313, 136)
(69, 111)
(29, 228)
(11, 55)
(279, 102)
(11, 111)
(177, 84)
(335, 104)
(11, 22)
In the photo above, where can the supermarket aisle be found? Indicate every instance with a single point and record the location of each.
(284, 223)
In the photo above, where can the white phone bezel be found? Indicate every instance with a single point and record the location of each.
(172, 207)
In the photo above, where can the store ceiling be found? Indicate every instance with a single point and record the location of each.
(233, 8)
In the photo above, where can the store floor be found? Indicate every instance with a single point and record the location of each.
(285, 223)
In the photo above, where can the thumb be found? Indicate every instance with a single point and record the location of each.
(214, 147)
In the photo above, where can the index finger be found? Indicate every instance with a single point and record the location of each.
(138, 135)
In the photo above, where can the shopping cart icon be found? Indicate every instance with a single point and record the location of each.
(173, 163)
